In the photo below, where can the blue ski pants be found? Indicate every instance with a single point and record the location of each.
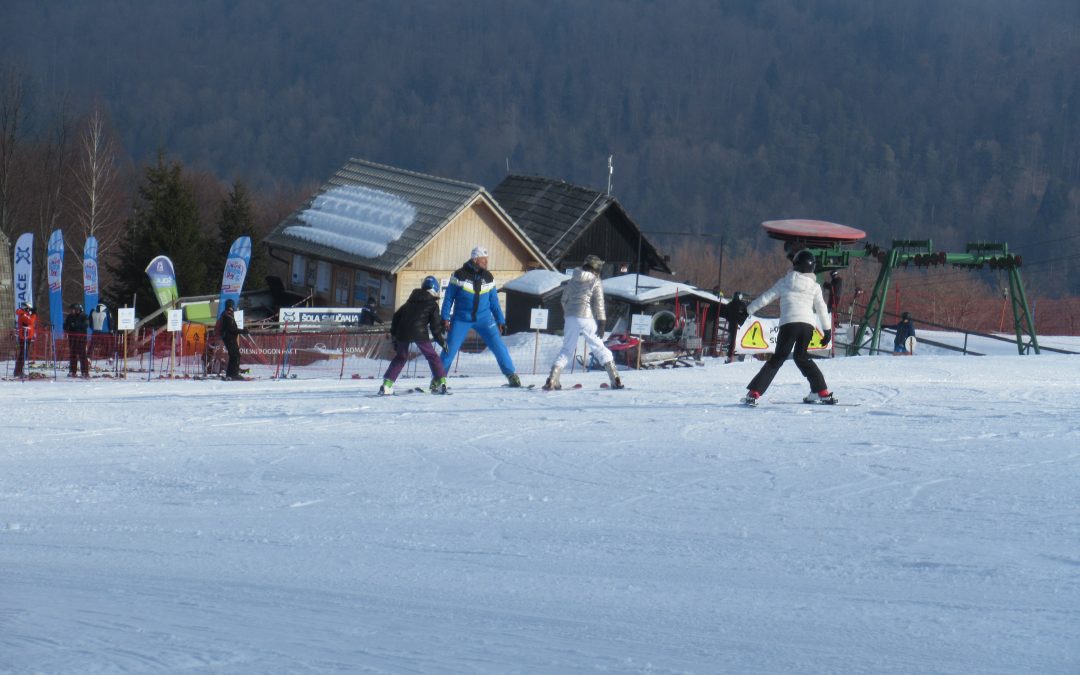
(488, 331)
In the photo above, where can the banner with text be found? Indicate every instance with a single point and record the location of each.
(24, 269)
(236, 268)
(163, 279)
(758, 336)
(55, 262)
(90, 275)
(315, 317)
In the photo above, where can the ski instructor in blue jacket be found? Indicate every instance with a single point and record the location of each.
(472, 302)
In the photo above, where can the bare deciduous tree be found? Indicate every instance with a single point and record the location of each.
(95, 195)
(13, 110)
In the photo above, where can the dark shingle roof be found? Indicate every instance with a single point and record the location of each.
(436, 201)
(554, 213)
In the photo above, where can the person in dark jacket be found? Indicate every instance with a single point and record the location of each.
(735, 313)
(230, 334)
(835, 288)
(75, 324)
(905, 329)
(368, 315)
(411, 324)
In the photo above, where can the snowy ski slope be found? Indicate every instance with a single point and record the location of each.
(306, 526)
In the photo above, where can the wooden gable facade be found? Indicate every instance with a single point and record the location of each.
(568, 222)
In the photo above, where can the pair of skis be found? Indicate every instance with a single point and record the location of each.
(748, 402)
(411, 390)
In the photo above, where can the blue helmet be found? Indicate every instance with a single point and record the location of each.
(431, 285)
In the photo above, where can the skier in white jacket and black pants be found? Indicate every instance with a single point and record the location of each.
(800, 300)
(583, 307)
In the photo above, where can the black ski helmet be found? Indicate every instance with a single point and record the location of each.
(229, 304)
(905, 316)
(804, 261)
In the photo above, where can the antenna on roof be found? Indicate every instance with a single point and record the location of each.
(610, 170)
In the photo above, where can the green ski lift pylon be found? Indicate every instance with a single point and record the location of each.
(921, 252)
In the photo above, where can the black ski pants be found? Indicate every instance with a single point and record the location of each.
(795, 336)
(232, 346)
(77, 357)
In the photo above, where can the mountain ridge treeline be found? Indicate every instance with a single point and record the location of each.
(956, 121)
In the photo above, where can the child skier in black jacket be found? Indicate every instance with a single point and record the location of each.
(411, 324)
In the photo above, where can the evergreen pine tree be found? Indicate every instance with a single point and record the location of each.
(237, 219)
(164, 221)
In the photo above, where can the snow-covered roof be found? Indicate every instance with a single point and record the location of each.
(379, 217)
(537, 282)
(642, 288)
(357, 220)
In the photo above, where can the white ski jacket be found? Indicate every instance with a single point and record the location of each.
(800, 300)
(583, 296)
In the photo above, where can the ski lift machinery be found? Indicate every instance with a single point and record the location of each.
(834, 246)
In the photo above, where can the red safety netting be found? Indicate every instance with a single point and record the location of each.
(193, 353)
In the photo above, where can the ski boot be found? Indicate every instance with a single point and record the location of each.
(552, 383)
(514, 380)
(613, 375)
(751, 398)
(824, 397)
(387, 388)
(438, 385)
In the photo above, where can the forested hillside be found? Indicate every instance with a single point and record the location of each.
(957, 120)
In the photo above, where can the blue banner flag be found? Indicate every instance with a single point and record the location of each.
(236, 267)
(55, 262)
(90, 275)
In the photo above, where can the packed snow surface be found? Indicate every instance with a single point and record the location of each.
(307, 526)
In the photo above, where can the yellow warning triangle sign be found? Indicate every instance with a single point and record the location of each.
(754, 337)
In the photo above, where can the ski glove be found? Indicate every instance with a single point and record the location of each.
(446, 325)
(826, 338)
(502, 329)
(600, 329)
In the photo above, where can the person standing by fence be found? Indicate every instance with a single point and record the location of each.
(230, 334)
(75, 325)
(100, 328)
(26, 329)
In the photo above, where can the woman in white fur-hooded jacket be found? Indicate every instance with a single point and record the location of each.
(801, 303)
(583, 308)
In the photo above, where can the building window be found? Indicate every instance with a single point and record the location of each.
(341, 287)
(298, 274)
(360, 288)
